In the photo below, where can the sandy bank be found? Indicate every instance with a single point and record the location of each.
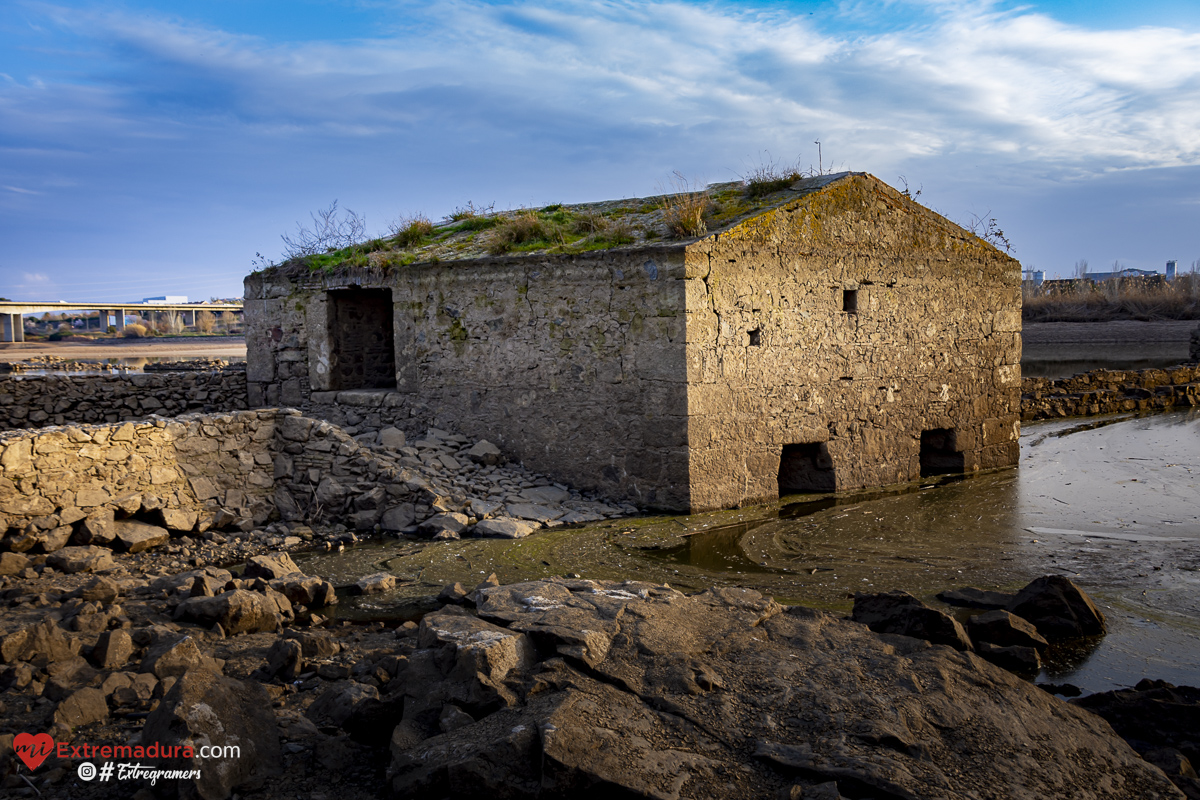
(1124, 331)
(190, 347)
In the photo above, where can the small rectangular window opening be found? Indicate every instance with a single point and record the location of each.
(756, 337)
(850, 301)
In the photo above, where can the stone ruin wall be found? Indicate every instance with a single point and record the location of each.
(190, 474)
(37, 401)
(933, 343)
(572, 365)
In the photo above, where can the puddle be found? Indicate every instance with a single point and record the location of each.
(1114, 503)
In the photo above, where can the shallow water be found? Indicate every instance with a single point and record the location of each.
(110, 366)
(1113, 503)
(1064, 359)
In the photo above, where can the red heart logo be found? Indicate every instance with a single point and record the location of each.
(33, 749)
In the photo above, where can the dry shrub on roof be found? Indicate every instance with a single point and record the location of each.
(685, 208)
(410, 231)
(588, 222)
(525, 227)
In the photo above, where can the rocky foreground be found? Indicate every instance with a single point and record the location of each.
(552, 688)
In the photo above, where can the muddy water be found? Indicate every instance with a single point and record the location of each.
(1114, 503)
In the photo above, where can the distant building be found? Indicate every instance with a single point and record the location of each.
(173, 299)
(1172, 266)
(1128, 272)
(1034, 276)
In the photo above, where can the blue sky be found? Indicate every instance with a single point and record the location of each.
(152, 148)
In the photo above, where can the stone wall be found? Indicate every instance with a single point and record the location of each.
(35, 401)
(852, 321)
(572, 365)
(178, 473)
(1110, 391)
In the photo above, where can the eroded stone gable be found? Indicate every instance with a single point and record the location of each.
(838, 329)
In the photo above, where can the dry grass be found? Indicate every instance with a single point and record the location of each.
(411, 231)
(1122, 299)
(684, 209)
(523, 228)
(135, 331)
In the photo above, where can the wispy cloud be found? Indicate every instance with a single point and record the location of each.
(1016, 86)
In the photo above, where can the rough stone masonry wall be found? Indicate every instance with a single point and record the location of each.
(199, 471)
(36, 401)
(573, 365)
(1107, 391)
(179, 471)
(934, 343)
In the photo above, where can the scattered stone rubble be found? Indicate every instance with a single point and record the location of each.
(1110, 391)
(545, 689)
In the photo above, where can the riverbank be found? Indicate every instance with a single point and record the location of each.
(158, 347)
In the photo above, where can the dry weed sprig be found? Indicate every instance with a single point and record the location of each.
(684, 208)
(409, 231)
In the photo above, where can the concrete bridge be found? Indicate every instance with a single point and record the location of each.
(12, 329)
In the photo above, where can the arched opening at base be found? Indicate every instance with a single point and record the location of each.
(806, 467)
(939, 453)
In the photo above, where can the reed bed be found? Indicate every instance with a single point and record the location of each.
(1127, 298)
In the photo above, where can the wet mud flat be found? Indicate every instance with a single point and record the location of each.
(1113, 503)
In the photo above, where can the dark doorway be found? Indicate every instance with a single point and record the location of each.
(360, 337)
(939, 454)
(806, 467)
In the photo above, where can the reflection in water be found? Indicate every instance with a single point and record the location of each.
(1062, 360)
(1115, 505)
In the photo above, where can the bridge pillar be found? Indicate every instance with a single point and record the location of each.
(119, 314)
(12, 328)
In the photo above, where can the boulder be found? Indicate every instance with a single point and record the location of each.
(173, 656)
(970, 597)
(97, 528)
(270, 566)
(306, 590)
(728, 694)
(98, 590)
(1058, 609)
(82, 708)
(314, 644)
(378, 583)
(1002, 628)
(55, 539)
(504, 528)
(391, 438)
(177, 519)
(137, 537)
(397, 518)
(113, 649)
(205, 707)
(338, 701)
(447, 521)
(184, 580)
(81, 559)
(1014, 658)
(285, 659)
(534, 512)
(486, 453)
(236, 611)
(546, 495)
(901, 613)
(39, 644)
(12, 563)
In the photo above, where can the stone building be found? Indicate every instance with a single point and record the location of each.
(830, 335)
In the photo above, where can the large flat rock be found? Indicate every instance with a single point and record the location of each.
(638, 690)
